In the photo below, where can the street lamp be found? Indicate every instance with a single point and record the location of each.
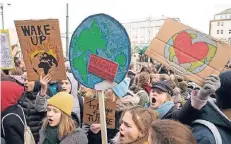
(2, 13)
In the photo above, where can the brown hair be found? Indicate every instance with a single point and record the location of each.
(143, 118)
(16, 71)
(66, 126)
(164, 77)
(145, 69)
(170, 132)
(144, 77)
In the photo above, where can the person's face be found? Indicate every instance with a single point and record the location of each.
(29, 85)
(157, 97)
(129, 132)
(66, 86)
(54, 115)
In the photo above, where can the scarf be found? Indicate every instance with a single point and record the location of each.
(51, 135)
(147, 88)
(164, 109)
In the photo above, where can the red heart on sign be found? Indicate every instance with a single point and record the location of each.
(187, 52)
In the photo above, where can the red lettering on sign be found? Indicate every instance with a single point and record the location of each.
(102, 67)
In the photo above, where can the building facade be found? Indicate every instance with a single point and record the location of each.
(142, 32)
(220, 27)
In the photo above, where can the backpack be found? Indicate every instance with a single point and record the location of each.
(28, 137)
(212, 128)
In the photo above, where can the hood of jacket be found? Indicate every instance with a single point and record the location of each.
(212, 113)
(10, 94)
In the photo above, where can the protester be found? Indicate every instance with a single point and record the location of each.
(170, 132)
(135, 123)
(70, 86)
(58, 127)
(218, 113)
(142, 88)
(124, 101)
(12, 129)
(160, 100)
(28, 100)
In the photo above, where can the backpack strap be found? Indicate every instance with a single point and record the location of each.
(24, 123)
(212, 128)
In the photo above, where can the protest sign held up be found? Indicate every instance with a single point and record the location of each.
(42, 48)
(7, 61)
(189, 52)
(92, 114)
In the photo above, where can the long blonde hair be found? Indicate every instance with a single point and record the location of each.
(66, 125)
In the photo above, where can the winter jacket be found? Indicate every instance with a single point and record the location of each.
(121, 105)
(188, 113)
(33, 117)
(214, 115)
(79, 137)
(143, 95)
(13, 127)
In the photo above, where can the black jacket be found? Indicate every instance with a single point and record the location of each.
(33, 117)
(185, 115)
(212, 114)
(13, 127)
(111, 133)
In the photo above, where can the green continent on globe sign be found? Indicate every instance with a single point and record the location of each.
(88, 41)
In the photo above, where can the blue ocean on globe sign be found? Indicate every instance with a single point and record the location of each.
(105, 37)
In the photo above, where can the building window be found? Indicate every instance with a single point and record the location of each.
(221, 17)
(222, 23)
(221, 31)
(230, 31)
(217, 31)
(229, 16)
(218, 23)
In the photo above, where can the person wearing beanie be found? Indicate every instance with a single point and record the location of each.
(12, 129)
(160, 100)
(70, 85)
(218, 112)
(58, 126)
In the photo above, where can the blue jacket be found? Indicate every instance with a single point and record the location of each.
(214, 115)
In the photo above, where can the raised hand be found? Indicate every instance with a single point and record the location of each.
(44, 84)
(211, 85)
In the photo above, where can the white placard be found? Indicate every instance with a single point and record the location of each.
(6, 53)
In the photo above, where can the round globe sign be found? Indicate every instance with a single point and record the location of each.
(100, 52)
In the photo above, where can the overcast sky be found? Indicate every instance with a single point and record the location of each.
(195, 13)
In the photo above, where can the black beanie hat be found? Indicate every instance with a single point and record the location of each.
(223, 94)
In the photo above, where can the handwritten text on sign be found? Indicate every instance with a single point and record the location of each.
(6, 55)
(102, 67)
(92, 113)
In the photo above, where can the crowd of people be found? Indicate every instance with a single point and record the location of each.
(154, 105)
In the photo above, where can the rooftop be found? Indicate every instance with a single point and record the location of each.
(227, 11)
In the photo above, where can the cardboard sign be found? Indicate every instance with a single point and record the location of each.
(92, 114)
(41, 46)
(102, 67)
(7, 61)
(190, 53)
